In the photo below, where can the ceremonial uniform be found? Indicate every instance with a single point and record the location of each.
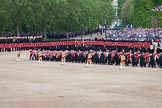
(102, 58)
(152, 61)
(116, 58)
(18, 57)
(127, 61)
(30, 55)
(133, 60)
(160, 61)
(63, 58)
(122, 61)
(89, 59)
(40, 56)
(142, 61)
(109, 58)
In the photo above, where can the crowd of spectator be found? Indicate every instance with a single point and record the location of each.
(157, 8)
(20, 39)
(9, 37)
(67, 35)
(126, 34)
(133, 34)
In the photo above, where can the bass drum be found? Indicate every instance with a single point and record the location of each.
(151, 47)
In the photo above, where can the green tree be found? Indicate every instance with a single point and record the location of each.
(54, 15)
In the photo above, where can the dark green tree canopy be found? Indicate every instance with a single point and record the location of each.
(54, 15)
(139, 13)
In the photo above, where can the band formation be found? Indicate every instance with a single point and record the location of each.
(119, 56)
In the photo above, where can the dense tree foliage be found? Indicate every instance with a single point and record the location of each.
(54, 15)
(126, 9)
(139, 13)
(144, 16)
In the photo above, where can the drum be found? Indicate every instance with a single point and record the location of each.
(151, 47)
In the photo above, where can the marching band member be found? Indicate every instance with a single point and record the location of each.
(122, 61)
(142, 60)
(40, 56)
(63, 57)
(152, 60)
(18, 57)
(89, 59)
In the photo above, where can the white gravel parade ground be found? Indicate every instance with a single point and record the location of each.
(27, 84)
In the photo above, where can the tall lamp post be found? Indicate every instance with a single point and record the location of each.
(105, 29)
(115, 4)
(116, 13)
